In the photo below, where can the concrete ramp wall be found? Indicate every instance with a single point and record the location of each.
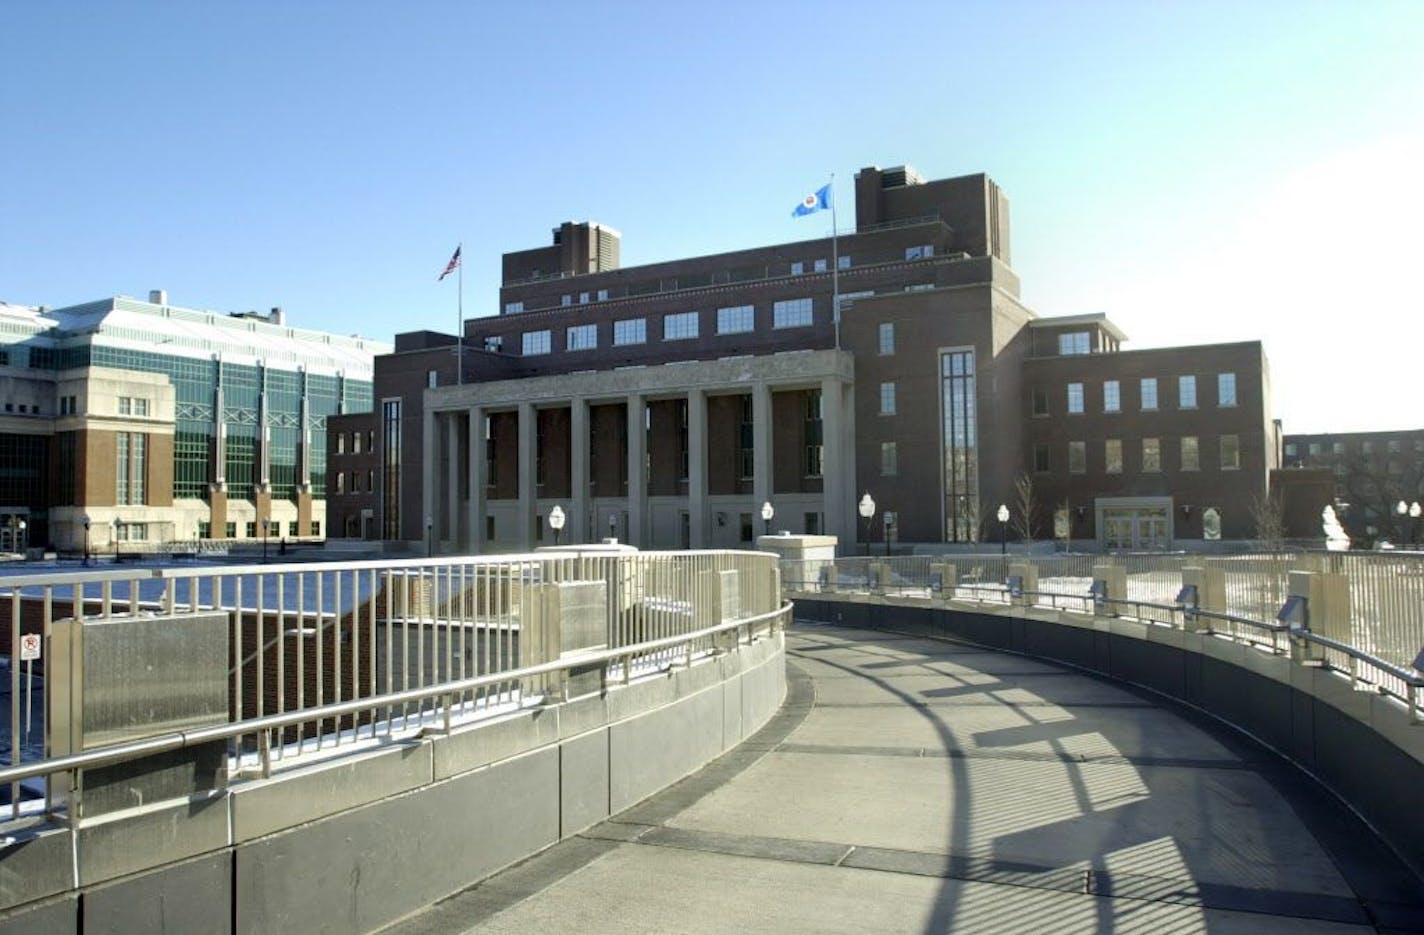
(369, 838)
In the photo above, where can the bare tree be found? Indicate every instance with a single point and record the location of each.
(1268, 516)
(1063, 524)
(1024, 518)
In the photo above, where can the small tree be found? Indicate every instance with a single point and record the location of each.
(1022, 515)
(1268, 516)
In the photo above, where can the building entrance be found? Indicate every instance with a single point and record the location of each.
(1143, 527)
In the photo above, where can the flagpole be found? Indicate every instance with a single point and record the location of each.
(835, 265)
(460, 329)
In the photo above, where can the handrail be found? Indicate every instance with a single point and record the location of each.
(1409, 677)
(119, 752)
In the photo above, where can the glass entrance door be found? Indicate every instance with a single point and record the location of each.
(1136, 528)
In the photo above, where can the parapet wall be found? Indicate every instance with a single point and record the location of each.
(367, 838)
(1358, 743)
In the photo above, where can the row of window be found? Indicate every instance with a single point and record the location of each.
(274, 529)
(1147, 395)
(797, 268)
(358, 439)
(1151, 452)
(677, 326)
(354, 484)
(1368, 447)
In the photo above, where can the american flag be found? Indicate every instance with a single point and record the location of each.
(453, 264)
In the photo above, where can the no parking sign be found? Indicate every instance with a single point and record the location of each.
(29, 647)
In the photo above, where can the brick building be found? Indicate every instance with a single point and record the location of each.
(1374, 472)
(665, 403)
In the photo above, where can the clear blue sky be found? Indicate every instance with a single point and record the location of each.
(1200, 171)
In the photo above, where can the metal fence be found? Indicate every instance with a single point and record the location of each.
(321, 655)
(1378, 640)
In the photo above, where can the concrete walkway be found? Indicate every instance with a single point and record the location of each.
(911, 785)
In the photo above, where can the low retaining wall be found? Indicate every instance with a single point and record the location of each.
(363, 840)
(1359, 744)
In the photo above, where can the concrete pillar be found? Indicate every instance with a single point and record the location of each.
(697, 467)
(1115, 579)
(948, 578)
(761, 449)
(1210, 584)
(452, 474)
(576, 527)
(836, 481)
(1027, 573)
(429, 474)
(528, 452)
(637, 413)
(476, 453)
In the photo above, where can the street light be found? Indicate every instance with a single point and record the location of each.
(766, 514)
(613, 525)
(266, 524)
(1003, 515)
(85, 520)
(556, 522)
(866, 509)
(1402, 509)
(889, 530)
(115, 538)
(429, 535)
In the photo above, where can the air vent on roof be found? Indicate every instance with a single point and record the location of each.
(158, 296)
(900, 176)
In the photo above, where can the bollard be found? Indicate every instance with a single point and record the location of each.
(1027, 575)
(948, 580)
(1114, 580)
(1210, 585)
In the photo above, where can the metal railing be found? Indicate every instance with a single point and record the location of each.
(322, 655)
(1385, 626)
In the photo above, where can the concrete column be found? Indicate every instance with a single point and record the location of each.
(697, 467)
(528, 450)
(1114, 578)
(637, 412)
(429, 474)
(761, 449)
(576, 526)
(837, 483)
(452, 474)
(477, 466)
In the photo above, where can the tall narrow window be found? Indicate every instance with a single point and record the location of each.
(1077, 457)
(960, 443)
(745, 432)
(1112, 396)
(390, 469)
(121, 464)
(1151, 456)
(1149, 393)
(814, 443)
(889, 464)
(887, 337)
(1191, 457)
(1075, 397)
(887, 399)
(1187, 392)
(1226, 389)
(1230, 452)
(1112, 456)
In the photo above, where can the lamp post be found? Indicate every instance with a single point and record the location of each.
(1414, 511)
(866, 509)
(85, 520)
(556, 522)
(613, 525)
(266, 525)
(115, 538)
(1003, 515)
(20, 540)
(766, 514)
(429, 535)
(889, 530)
(1402, 509)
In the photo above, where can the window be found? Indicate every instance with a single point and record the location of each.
(920, 287)
(494, 342)
(1290, 450)
(842, 262)
(581, 338)
(887, 399)
(1338, 448)
(1112, 396)
(68, 405)
(583, 298)
(1073, 342)
(512, 307)
(630, 331)
(812, 428)
(1393, 446)
(1230, 452)
(959, 465)
(736, 319)
(798, 268)
(1186, 392)
(391, 468)
(566, 299)
(791, 313)
(1149, 394)
(1077, 457)
(1367, 448)
(292, 528)
(746, 464)
(432, 379)
(340, 482)
(889, 466)
(133, 406)
(230, 530)
(1314, 448)
(1112, 455)
(1151, 456)
(679, 326)
(887, 337)
(537, 342)
(1040, 401)
(1041, 460)
(820, 266)
(1191, 459)
(1075, 397)
(355, 443)
(924, 251)
(1226, 389)
(341, 443)
(603, 295)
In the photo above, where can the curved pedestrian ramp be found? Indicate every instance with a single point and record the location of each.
(914, 785)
